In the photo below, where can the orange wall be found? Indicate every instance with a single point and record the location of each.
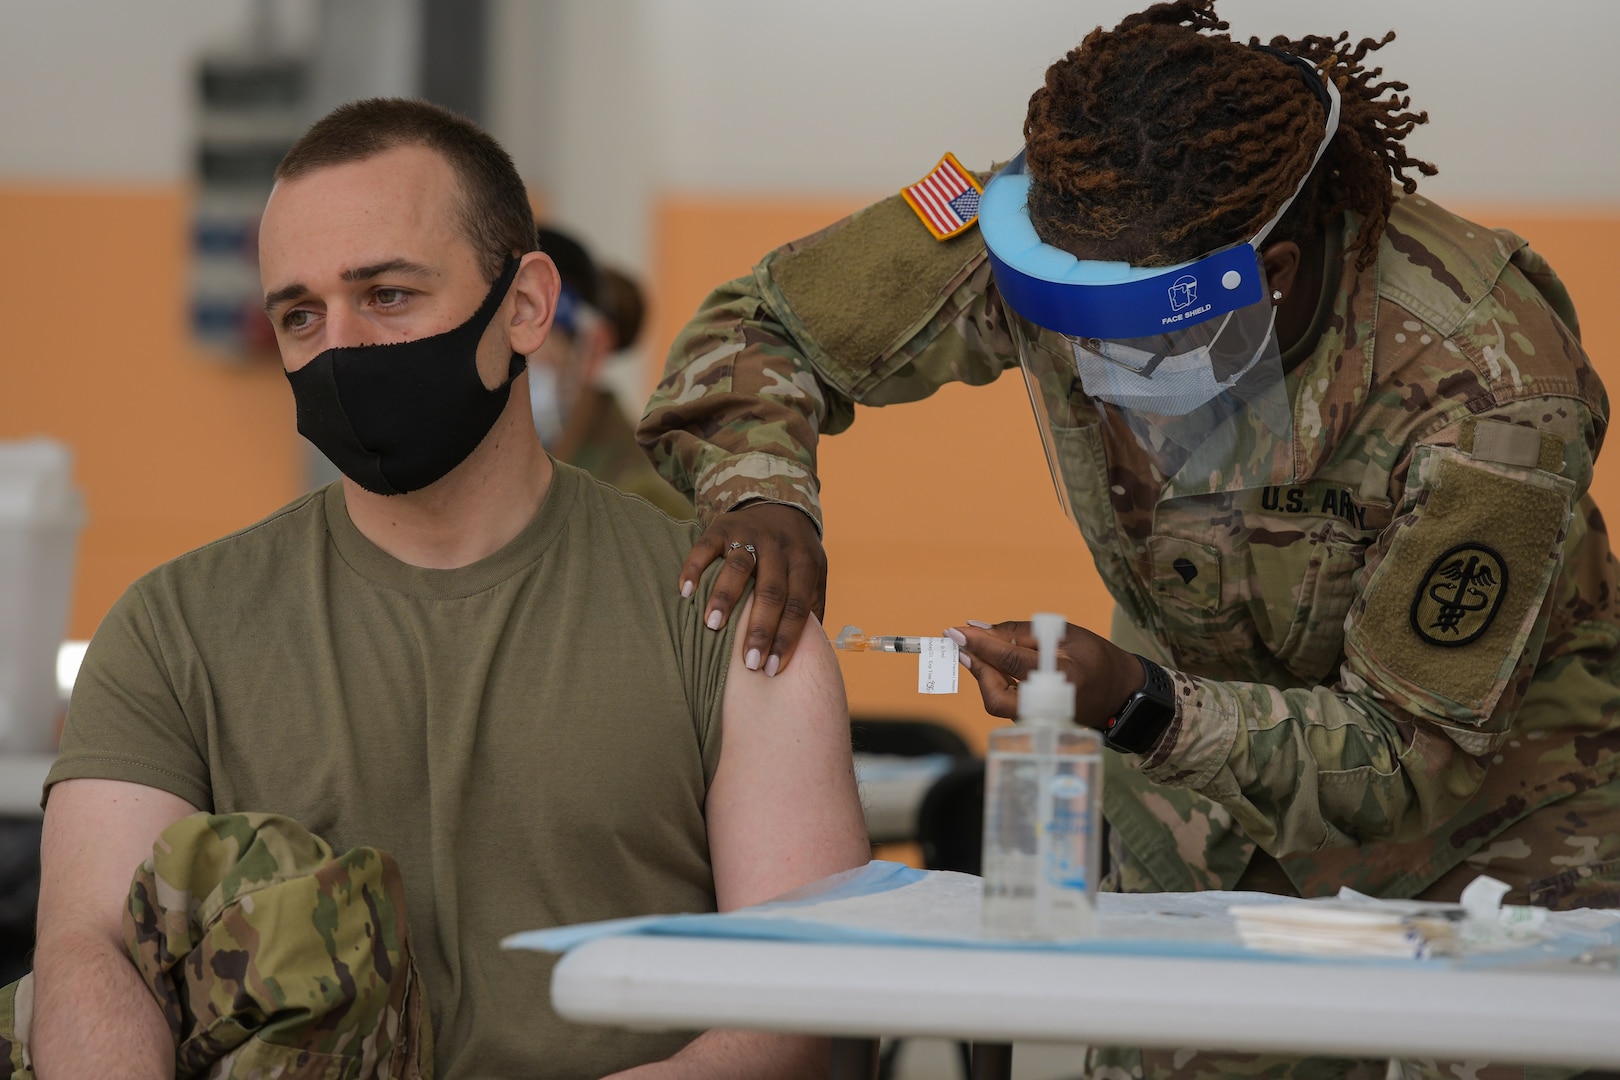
(944, 511)
(938, 512)
(173, 449)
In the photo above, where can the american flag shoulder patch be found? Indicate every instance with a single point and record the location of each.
(947, 199)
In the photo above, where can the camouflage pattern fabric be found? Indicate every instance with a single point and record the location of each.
(1332, 714)
(1203, 1065)
(600, 439)
(16, 1018)
(1329, 731)
(269, 955)
(1577, 839)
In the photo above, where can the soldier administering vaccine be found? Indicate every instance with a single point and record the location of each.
(1328, 443)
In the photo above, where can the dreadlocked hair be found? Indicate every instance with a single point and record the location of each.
(1165, 139)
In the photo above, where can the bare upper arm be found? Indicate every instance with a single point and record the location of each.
(782, 809)
(96, 833)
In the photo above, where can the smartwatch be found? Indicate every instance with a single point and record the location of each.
(1145, 715)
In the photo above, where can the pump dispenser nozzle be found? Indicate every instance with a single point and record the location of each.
(1046, 697)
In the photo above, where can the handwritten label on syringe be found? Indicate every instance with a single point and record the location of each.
(937, 666)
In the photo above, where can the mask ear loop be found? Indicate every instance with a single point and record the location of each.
(1102, 349)
(1146, 370)
(498, 290)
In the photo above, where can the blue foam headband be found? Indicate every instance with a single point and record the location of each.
(1085, 298)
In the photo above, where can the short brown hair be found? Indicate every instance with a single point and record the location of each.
(495, 209)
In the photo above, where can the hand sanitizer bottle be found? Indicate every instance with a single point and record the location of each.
(1042, 809)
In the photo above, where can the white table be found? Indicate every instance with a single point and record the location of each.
(862, 992)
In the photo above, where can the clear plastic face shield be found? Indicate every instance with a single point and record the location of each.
(1184, 357)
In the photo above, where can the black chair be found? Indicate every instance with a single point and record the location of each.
(950, 822)
(905, 736)
(19, 895)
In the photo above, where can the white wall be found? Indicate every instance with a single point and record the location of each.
(626, 98)
(605, 103)
(575, 96)
(99, 91)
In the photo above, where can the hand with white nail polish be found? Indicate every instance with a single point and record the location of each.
(779, 548)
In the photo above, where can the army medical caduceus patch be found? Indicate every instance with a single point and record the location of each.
(947, 199)
(1442, 621)
(1459, 596)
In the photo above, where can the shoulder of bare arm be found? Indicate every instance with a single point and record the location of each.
(97, 832)
(782, 809)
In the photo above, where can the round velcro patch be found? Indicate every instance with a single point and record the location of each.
(1459, 596)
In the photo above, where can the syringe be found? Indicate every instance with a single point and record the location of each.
(851, 639)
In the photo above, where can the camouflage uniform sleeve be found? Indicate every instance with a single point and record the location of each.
(736, 415)
(871, 310)
(1448, 626)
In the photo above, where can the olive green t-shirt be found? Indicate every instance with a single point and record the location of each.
(531, 736)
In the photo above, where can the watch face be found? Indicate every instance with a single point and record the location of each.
(1139, 724)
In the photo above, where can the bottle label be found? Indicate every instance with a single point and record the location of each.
(1069, 832)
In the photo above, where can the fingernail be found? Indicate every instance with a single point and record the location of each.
(773, 665)
(751, 661)
(980, 625)
(957, 636)
(715, 619)
(967, 661)
(687, 588)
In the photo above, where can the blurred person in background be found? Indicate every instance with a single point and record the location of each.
(599, 313)
(623, 304)
(1330, 454)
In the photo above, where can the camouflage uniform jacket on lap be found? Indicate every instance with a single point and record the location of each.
(1392, 635)
(337, 997)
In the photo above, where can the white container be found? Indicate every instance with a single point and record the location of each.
(40, 518)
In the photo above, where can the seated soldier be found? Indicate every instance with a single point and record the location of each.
(463, 653)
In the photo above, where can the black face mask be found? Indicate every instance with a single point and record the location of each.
(397, 417)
